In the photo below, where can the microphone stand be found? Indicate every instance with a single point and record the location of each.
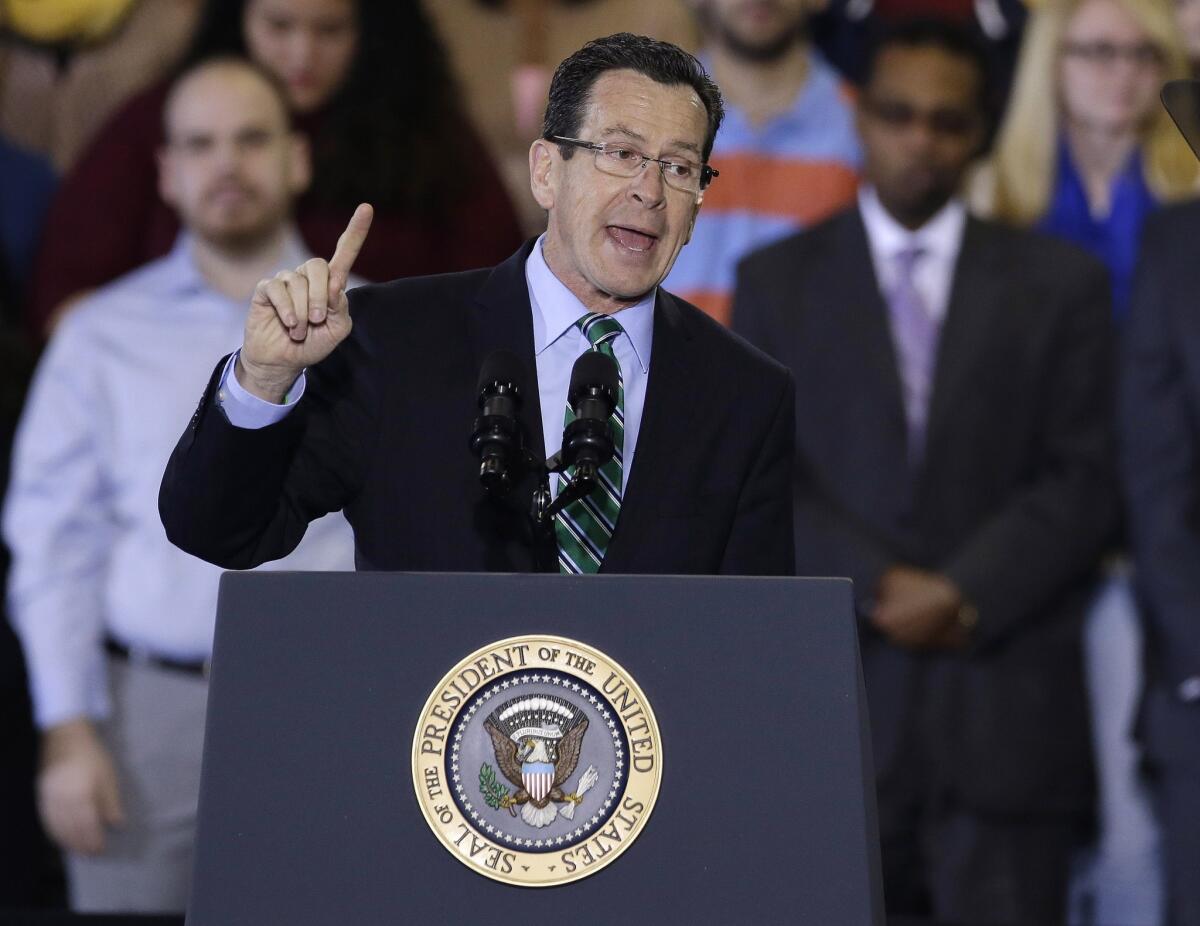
(587, 445)
(543, 509)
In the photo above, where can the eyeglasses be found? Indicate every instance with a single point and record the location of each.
(1106, 54)
(624, 161)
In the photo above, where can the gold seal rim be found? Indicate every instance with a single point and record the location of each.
(650, 800)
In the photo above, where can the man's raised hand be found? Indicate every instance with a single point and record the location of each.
(299, 316)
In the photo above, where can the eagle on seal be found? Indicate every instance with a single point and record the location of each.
(537, 741)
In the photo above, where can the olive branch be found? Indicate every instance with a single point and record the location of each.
(493, 792)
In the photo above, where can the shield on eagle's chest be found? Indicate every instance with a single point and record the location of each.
(538, 778)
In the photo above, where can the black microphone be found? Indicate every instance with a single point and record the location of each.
(587, 441)
(497, 438)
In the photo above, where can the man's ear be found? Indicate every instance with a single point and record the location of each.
(299, 163)
(166, 179)
(544, 162)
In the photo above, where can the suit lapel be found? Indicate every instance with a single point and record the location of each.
(502, 318)
(855, 293)
(674, 396)
(975, 301)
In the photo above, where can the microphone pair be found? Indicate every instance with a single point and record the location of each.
(498, 438)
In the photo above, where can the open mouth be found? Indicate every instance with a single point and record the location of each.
(631, 239)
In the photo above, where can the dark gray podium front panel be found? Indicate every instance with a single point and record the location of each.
(307, 808)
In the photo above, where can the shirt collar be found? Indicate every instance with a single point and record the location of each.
(940, 237)
(556, 309)
(182, 277)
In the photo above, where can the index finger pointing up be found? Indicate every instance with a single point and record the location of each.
(348, 246)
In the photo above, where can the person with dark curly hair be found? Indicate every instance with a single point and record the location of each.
(370, 87)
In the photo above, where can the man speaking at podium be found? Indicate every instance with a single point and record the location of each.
(364, 402)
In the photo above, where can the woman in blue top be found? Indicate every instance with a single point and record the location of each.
(1086, 150)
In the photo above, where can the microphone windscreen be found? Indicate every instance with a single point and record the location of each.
(502, 367)
(594, 369)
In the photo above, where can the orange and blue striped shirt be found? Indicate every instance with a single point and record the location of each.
(776, 178)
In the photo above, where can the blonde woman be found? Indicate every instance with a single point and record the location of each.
(1086, 151)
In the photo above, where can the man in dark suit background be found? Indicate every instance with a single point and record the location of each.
(1160, 459)
(954, 451)
(309, 417)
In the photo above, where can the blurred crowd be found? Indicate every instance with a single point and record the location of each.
(968, 226)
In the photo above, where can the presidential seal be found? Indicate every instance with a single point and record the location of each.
(537, 761)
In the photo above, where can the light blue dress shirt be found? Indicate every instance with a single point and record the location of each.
(111, 397)
(557, 344)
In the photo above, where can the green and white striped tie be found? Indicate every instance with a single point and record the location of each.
(585, 526)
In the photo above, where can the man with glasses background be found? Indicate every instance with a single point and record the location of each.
(955, 457)
(364, 402)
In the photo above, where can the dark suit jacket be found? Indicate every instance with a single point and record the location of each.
(1014, 502)
(382, 432)
(1160, 444)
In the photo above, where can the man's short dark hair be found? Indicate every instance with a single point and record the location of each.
(662, 62)
(949, 37)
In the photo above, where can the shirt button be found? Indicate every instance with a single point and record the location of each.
(1189, 690)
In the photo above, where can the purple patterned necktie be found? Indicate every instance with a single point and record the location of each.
(915, 334)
